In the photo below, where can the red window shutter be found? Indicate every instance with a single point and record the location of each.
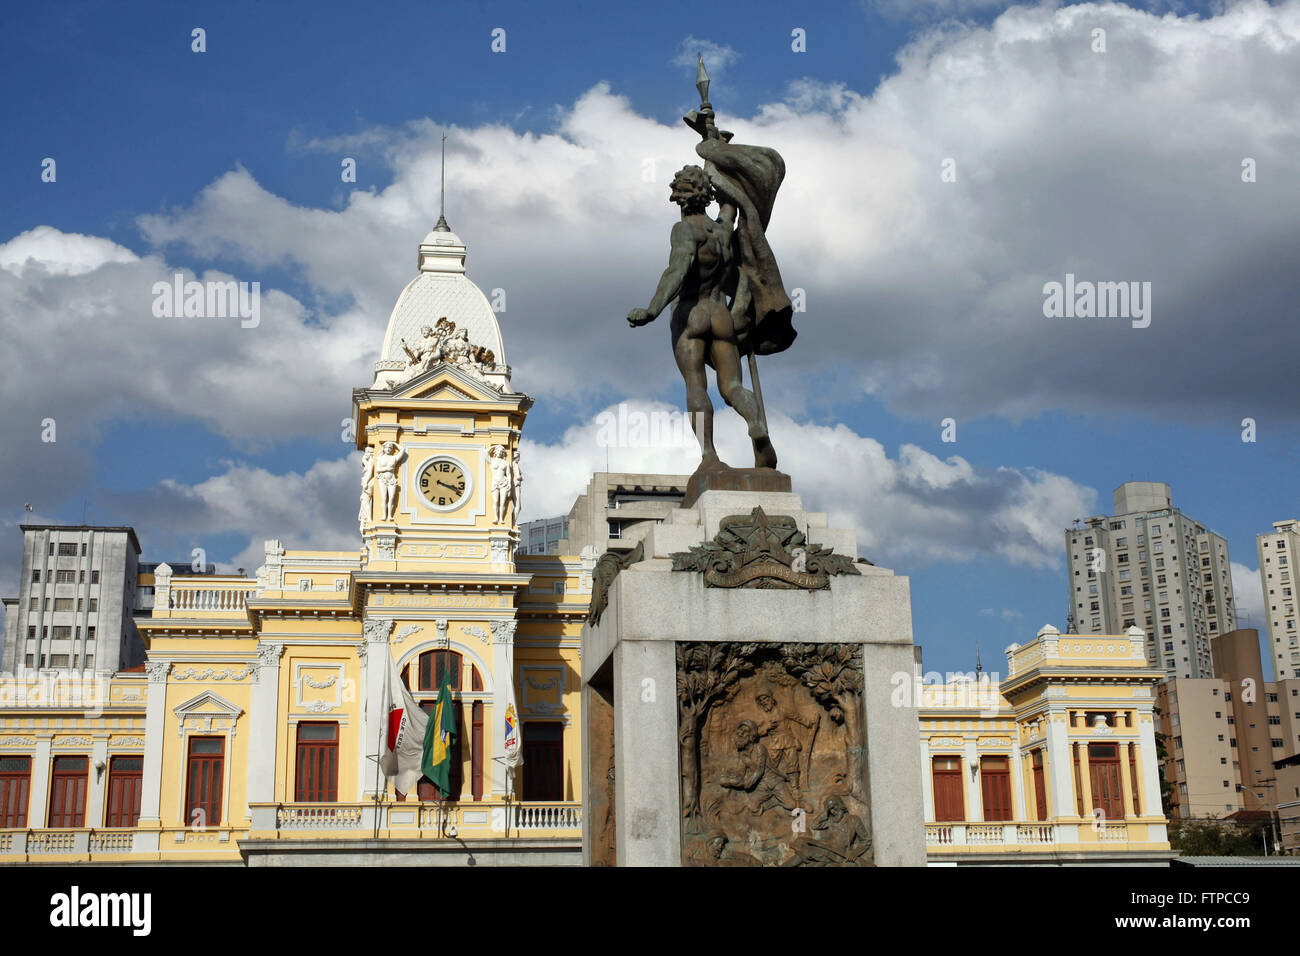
(125, 784)
(1040, 785)
(949, 802)
(15, 788)
(1103, 770)
(317, 778)
(995, 788)
(204, 781)
(68, 792)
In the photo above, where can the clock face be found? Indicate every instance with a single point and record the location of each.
(442, 482)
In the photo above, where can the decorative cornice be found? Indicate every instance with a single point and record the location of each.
(209, 673)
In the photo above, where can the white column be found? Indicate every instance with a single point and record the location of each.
(263, 718)
(155, 727)
(974, 799)
(1060, 766)
(39, 808)
(1019, 798)
(1148, 769)
(503, 642)
(374, 666)
(97, 782)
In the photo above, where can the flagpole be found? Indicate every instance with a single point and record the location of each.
(383, 726)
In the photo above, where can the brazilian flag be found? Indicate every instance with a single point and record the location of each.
(439, 736)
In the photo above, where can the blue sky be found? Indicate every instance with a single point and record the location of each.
(1121, 165)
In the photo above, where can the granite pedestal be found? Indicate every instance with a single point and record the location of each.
(634, 794)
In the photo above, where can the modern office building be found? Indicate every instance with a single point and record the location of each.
(543, 535)
(1150, 566)
(1223, 734)
(74, 613)
(1275, 579)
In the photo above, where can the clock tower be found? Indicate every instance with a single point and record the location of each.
(440, 428)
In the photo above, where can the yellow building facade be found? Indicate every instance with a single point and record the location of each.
(1055, 764)
(251, 735)
(253, 732)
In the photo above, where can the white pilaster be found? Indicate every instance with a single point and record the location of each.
(503, 642)
(374, 666)
(155, 730)
(1060, 766)
(39, 808)
(263, 717)
(98, 780)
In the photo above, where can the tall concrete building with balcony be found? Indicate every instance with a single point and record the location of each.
(1150, 566)
(615, 511)
(1223, 734)
(1275, 579)
(77, 599)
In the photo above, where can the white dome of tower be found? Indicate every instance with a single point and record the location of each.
(441, 290)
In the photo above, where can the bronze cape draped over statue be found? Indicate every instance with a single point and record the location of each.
(748, 177)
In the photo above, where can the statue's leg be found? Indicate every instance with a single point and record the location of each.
(689, 352)
(726, 359)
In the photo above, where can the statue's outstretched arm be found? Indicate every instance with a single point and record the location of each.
(679, 264)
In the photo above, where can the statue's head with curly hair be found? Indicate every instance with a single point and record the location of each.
(691, 189)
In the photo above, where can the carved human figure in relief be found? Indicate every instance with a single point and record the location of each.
(499, 462)
(517, 491)
(367, 511)
(386, 464)
(839, 838)
(457, 349)
(426, 353)
(783, 747)
(754, 775)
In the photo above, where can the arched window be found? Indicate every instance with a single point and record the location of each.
(434, 664)
(431, 666)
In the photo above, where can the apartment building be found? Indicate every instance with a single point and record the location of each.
(1275, 568)
(1150, 566)
(74, 612)
(1224, 734)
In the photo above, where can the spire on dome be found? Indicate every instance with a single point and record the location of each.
(442, 193)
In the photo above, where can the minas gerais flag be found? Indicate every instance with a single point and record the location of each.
(439, 737)
(404, 727)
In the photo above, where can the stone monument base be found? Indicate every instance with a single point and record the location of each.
(722, 477)
(738, 697)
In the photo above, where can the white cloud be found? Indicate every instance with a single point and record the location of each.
(923, 293)
(60, 253)
(910, 510)
(717, 56)
(1250, 598)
